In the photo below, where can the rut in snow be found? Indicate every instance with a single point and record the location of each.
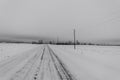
(62, 71)
(44, 65)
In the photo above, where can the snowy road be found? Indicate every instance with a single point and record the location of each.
(40, 63)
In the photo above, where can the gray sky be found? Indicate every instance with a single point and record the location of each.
(94, 20)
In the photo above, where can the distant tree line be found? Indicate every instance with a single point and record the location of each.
(59, 43)
(81, 43)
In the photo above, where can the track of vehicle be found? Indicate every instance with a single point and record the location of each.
(43, 65)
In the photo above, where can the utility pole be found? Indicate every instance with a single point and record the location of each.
(74, 39)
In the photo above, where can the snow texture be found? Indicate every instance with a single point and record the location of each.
(53, 62)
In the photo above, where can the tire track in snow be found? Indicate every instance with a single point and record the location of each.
(24, 72)
(43, 65)
(38, 67)
(62, 71)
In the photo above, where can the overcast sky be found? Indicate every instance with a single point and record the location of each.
(94, 20)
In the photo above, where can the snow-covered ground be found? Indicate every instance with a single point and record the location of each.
(35, 62)
(91, 62)
(8, 50)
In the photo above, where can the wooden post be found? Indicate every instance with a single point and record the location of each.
(74, 39)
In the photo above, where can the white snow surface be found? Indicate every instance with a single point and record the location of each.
(11, 49)
(84, 63)
(91, 62)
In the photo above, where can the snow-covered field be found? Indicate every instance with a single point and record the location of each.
(84, 63)
(9, 49)
(91, 62)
